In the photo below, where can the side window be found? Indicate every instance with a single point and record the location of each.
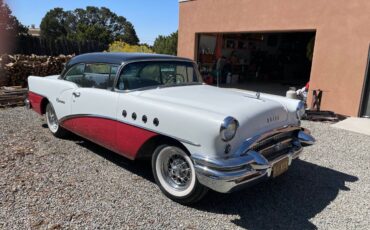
(139, 75)
(98, 76)
(151, 72)
(75, 74)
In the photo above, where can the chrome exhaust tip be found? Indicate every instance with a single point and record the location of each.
(27, 103)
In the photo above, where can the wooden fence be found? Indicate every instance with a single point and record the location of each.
(35, 45)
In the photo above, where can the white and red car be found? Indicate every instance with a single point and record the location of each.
(198, 136)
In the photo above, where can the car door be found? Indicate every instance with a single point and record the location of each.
(94, 105)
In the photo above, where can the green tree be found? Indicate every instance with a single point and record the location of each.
(54, 24)
(10, 28)
(130, 35)
(92, 23)
(166, 44)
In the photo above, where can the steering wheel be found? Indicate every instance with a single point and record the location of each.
(181, 77)
(174, 78)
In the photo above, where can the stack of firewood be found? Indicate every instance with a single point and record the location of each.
(14, 69)
(12, 96)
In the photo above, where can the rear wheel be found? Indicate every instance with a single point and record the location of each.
(175, 175)
(53, 123)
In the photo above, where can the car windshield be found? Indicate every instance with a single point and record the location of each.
(157, 74)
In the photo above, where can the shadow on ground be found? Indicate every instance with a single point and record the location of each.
(288, 202)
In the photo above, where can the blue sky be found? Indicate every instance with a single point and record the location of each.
(150, 17)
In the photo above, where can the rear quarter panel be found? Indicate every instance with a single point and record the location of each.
(58, 92)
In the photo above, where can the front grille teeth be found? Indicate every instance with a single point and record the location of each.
(276, 145)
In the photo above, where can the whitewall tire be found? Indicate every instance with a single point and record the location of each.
(175, 175)
(53, 123)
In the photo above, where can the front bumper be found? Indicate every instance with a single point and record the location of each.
(248, 166)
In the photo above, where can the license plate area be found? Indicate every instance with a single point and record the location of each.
(280, 167)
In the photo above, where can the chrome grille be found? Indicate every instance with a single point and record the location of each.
(276, 145)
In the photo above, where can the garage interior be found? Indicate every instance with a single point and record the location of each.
(264, 62)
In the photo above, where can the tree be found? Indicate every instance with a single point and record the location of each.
(119, 46)
(54, 24)
(92, 23)
(10, 27)
(166, 44)
(130, 35)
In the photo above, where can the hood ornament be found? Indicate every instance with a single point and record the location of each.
(258, 95)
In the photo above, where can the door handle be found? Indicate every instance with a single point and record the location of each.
(76, 94)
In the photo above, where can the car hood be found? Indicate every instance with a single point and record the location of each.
(243, 106)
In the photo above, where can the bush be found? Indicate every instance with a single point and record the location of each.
(166, 44)
(119, 46)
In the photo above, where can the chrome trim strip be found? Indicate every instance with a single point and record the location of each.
(63, 119)
(223, 164)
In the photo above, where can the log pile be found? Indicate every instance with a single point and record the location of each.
(14, 69)
(12, 96)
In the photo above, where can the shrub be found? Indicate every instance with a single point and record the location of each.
(119, 46)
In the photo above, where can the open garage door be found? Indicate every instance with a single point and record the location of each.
(264, 62)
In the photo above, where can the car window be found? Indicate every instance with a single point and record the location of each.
(161, 73)
(75, 74)
(94, 75)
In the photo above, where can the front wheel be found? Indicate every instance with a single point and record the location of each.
(53, 123)
(175, 175)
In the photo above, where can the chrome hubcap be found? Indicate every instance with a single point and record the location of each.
(176, 171)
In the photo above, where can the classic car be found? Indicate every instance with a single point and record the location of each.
(198, 137)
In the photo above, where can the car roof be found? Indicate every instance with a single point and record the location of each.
(119, 58)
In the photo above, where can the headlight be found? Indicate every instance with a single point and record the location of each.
(300, 110)
(228, 128)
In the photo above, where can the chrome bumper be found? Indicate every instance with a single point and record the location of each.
(230, 174)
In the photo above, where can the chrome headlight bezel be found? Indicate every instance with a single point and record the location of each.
(228, 129)
(301, 110)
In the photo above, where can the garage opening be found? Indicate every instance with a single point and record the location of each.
(264, 62)
(365, 110)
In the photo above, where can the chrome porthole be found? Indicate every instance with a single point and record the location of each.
(156, 121)
(124, 113)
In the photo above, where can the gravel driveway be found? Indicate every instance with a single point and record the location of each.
(52, 183)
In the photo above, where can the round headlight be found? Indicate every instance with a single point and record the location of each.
(228, 128)
(300, 110)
